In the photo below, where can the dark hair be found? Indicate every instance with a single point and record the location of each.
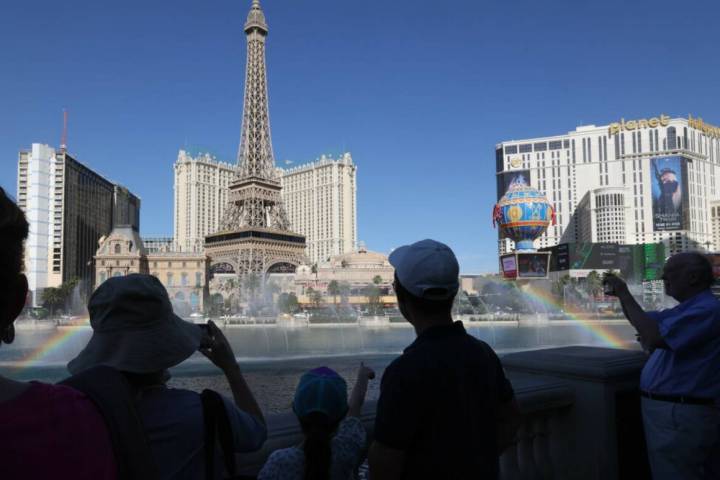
(13, 230)
(318, 430)
(429, 306)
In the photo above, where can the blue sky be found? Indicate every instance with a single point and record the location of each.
(419, 91)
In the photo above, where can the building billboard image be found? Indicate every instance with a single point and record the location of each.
(506, 178)
(509, 266)
(669, 192)
(533, 265)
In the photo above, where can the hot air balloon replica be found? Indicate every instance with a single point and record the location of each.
(523, 214)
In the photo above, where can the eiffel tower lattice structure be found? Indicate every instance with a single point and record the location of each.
(254, 235)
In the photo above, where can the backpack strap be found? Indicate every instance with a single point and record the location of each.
(217, 427)
(113, 396)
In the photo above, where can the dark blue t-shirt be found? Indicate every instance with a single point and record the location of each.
(691, 366)
(438, 404)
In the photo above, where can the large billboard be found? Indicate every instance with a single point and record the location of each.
(532, 265)
(669, 193)
(504, 180)
(508, 263)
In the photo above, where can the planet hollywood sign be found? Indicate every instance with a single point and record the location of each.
(661, 121)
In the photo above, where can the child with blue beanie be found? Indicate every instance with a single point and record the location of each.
(334, 436)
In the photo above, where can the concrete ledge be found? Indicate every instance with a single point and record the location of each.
(588, 363)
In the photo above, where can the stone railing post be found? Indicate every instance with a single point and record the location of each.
(604, 427)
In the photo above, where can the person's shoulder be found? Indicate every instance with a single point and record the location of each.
(286, 463)
(51, 391)
(703, 304)
(61, 397)
(286, 457)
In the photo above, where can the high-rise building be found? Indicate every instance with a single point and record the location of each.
(69, 208)
(201, 196)
(633, 181)
(320, 198)
(254, 234)
(126, 209)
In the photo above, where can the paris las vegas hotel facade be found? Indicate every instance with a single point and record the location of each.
(605, 182)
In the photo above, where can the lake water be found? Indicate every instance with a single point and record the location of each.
(274, 357)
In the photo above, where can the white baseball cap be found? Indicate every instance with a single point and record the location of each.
(427, 269)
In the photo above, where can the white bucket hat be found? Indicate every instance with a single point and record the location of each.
(135, 329)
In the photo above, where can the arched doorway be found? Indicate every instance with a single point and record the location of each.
(282, 267)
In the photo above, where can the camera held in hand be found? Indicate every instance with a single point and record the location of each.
(608, 287)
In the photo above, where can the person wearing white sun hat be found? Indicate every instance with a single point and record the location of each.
(136, 332)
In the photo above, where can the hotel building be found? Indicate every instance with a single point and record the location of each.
(321, 203)
(319, 197)
(69, 208)
(633, 181)
(183, 274)
(201, 195)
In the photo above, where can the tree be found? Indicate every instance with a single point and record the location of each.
(251, 283)
(462, 304)
(215, 305)
(377, 279)
(314, 297)
(344, 291)
(372, 292)
(53, 298)
(558, 287)
(593, 284)
(288, 303)
(333, 289)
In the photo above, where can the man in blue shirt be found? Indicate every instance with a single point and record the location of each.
(680, 383)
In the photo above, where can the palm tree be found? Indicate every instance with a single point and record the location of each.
(333, 289)
(53, 298)
(593, 283)
(344, 291)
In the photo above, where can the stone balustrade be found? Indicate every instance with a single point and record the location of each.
(580, 410)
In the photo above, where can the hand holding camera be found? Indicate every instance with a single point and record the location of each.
(614, 285)
(216, 348)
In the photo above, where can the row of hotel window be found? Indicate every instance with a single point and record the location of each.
(156, 264)
(672, 142)
(169, 279)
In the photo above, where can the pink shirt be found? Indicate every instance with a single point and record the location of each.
(53, 431)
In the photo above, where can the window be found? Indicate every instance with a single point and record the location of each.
(169, 279)
(511, 149)
(541, 146)
(525, 148)
(183, 279)
(198, 279)
(671, 138)
(117, 249)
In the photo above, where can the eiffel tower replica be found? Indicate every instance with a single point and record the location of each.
(254, 235)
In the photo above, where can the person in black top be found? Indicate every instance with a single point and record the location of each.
(446, 409)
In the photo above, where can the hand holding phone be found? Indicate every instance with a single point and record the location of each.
(216, 347)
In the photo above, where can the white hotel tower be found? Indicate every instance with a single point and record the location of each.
(320, 199)
(604, 181)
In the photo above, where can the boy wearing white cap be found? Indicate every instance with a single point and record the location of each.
(446, 409)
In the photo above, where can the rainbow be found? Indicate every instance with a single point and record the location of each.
(602, 332)
(57, 340)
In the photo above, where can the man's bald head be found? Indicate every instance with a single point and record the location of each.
(686, 274)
